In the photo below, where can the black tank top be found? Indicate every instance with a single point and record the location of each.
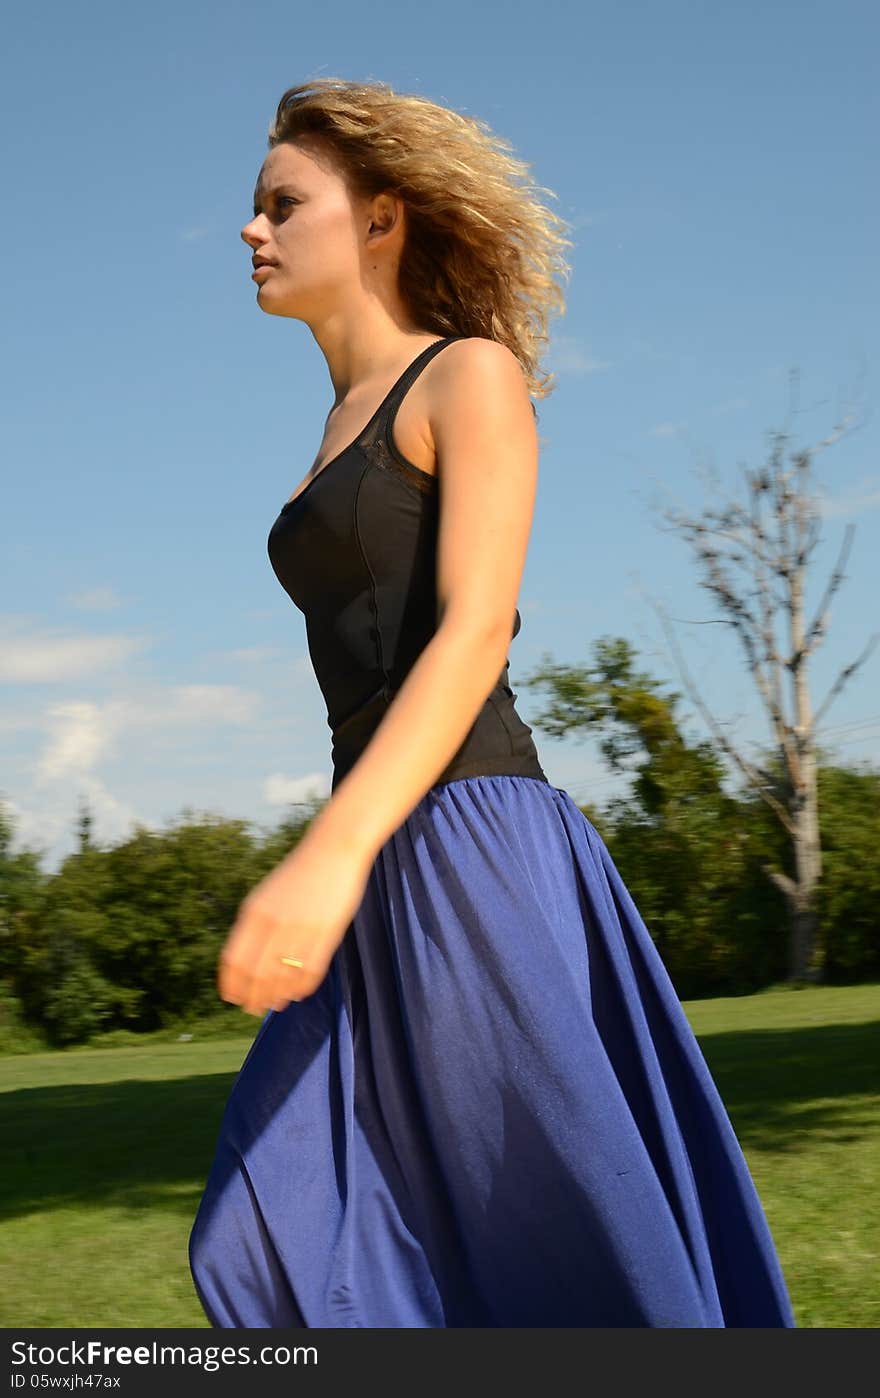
(356, 550)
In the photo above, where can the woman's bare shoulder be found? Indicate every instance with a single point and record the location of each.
(455, 381)
(475, 371)
(475, 352)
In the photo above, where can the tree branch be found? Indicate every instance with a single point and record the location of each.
(844, 675)
(753, 774)
(782, 881)
(816, 630)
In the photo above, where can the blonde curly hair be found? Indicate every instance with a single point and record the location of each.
(482, 254)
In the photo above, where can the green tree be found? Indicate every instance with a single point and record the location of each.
(849, 895)
(21, 892)
(682, 844)
(171, 899)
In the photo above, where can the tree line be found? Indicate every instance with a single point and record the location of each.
(128, 936)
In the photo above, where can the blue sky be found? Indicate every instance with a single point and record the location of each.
(719, 167)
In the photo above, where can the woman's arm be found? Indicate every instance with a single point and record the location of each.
(484, 432)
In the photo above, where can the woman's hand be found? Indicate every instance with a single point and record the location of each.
(301, 910)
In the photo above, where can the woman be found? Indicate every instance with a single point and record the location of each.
(474, 1099)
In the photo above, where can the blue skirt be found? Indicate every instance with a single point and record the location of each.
(493, 1112)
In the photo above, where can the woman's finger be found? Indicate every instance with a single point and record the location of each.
(235, 970)
(241, 957)
(278, 985)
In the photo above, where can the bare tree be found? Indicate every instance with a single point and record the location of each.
(768, 542)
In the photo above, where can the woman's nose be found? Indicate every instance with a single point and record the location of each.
(251, 231)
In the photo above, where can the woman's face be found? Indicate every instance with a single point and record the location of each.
(306, 225)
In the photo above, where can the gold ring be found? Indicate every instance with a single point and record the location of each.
(292, 961)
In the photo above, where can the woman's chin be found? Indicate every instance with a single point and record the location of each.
(275, 306)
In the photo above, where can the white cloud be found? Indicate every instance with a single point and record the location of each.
(586, 220)
(279, 790)
(666, 429)
(250, 655)
(51, 827)
(49, 657)
(96, 599)
(566, 355)
(201, 703)
(79, 735)
(856, 502)
(82, 732)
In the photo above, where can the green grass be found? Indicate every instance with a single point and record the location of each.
(105, 1153)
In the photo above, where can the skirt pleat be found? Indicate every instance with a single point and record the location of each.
(493, 1112)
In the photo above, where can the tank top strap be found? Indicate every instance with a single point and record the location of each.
(407, 379)
(377, 439)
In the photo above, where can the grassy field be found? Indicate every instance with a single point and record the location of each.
(105, 1153)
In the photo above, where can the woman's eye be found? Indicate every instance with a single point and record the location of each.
(286, 199)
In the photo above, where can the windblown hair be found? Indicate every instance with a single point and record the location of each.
(482, 255)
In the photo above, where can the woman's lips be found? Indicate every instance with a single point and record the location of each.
(263, 267)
